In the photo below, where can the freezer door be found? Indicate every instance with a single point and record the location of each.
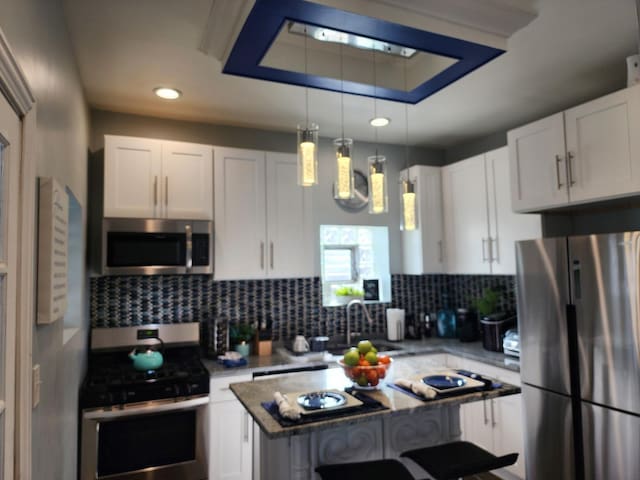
(604, 273)
(611, 440)
(548, 442)
(543, 292)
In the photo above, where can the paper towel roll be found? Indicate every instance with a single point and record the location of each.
(395, 324)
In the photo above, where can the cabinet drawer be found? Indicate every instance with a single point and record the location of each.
(219, 387)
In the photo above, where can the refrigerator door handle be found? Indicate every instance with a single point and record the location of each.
(577, 287)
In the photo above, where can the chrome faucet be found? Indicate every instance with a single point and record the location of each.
(356, 301)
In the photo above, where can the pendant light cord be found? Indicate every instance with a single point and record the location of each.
(375, 98)
(341, 95)
(306, 81)
(406, 122)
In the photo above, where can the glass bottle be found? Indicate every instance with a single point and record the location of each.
(446, 322)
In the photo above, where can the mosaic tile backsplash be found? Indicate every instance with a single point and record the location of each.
(289, 306)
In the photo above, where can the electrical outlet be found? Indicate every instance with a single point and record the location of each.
(36, 385)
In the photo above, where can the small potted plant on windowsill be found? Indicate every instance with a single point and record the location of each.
(240, 336)
(345, 294)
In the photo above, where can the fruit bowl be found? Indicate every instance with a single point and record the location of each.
(366, 377)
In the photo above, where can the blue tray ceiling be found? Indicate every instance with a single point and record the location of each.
(268, 16)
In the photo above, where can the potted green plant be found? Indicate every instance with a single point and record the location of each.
(487, 304)
(345, 294)
(240, 336)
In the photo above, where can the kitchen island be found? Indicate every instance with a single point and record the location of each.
(293, 452)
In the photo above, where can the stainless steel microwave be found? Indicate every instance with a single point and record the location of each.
(132, 246)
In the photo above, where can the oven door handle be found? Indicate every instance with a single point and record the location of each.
(100, 415)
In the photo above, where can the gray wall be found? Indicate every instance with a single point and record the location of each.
(475, 147)
(324, 208)
(37, 32)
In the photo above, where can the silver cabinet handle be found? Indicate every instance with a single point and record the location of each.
(189, 242)
(492, 257)
(484, 250)
(155, 190)
(484, 411)
(261, 255)
(440, 252)
(271, 254)
(166, 191)
(558, 162)
(570, 157)
(246, 427)
(493, 416)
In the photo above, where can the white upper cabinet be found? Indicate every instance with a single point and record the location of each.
(480, 226)
(132, 172)
(538, 173)
(466, 221)
(240, 244)
(505, 226)
(263, 218)
(587, 153)
(187, 171)
(603, 153)
(147, 178)
(289, 219)
(423, 248)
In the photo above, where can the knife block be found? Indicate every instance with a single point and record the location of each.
(263, 343)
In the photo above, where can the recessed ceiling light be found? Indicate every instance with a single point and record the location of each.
(379, 122)
(167, 93)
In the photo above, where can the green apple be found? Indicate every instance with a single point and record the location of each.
(364, 346)
(351, 357)
(371, 357)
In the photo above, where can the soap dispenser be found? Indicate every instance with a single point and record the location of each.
(446, 321)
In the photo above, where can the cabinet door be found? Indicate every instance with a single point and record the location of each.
(505, 226)
(240, 230)
(538, 170)
(132, 170)
(231, 431)
(602, 146)
(423, 249)
(464, 188)
(187, 181)
(289, 220)
(476, 423)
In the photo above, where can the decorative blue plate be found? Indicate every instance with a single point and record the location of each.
(444, 382)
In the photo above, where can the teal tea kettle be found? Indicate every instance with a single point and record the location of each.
(149, 359)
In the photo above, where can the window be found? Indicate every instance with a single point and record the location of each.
(350, 254)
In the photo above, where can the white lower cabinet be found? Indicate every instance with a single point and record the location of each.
(230, 433)
(495, 424)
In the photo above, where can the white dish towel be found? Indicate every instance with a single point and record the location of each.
(285, 408)
(417, 387)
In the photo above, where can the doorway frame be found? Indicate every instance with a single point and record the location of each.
(14, 86)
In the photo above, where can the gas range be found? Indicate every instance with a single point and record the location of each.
(111, 379)
(157, 413)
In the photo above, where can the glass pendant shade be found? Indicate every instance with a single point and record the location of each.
(343, 186)
(378, 199)
(409, 218)
(308, 155)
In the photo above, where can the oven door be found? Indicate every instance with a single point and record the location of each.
(159, 440)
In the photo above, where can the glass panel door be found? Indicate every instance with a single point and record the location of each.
(9, 226)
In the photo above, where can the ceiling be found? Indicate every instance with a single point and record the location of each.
(574, 50)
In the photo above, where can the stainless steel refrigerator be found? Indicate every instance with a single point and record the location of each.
(578, 316)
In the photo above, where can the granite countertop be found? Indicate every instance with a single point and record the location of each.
(251, 394)
(280, 360)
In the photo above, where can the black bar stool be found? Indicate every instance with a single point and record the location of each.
(372, 470)
(458, 459)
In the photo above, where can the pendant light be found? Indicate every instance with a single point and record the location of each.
(377, 164)
(307, 138)
(343, 186)
(409, 217)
